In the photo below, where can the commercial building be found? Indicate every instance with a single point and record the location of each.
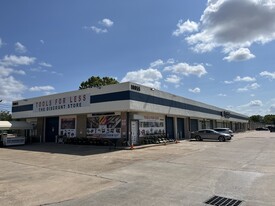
(125, 111)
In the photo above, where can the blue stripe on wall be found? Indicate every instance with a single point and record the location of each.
(22, 108)
(130, 95)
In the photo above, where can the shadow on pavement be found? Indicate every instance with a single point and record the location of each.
(69, 149)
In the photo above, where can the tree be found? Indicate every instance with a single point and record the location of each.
(97, 82)
(269, 119)
(5, 116)
(256, 118)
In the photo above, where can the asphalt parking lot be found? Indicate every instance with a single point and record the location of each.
(187, 173)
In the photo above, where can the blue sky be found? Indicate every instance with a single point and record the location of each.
(219, 52)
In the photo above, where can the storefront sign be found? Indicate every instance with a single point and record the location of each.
(136, 88)
(150, 124)
(69, 102)
(104, 126)
(67, 126)
(225, 114)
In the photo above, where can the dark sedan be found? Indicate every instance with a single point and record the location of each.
(261, 129)
(211, 135)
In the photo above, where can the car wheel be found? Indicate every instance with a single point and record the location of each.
(221, 139)
(198, 138)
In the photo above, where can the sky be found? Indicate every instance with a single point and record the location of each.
(220, 52)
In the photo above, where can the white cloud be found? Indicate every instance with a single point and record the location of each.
(41, 88)
(174, 79)
(228, 82)
(256, 107)
(20, 47)
(241, 79)
(148, 77)
(10, 89)
(38, 69)
(157, 63)
(251, 108)
(106, 22)
(270, 75)
(160, 62)
(241, 54)
(234, 24)
(253, 103)
(186, 69)
(187, 26)
(244, 79)
(4, 72)
(13, 60)
(243, 89)
(254, 86)
(95, 29)
(42, 41)
(222, 95)
(98, 30)
(272, 109)
(249, 87)
(195, 90)
(171, 61)
(44, 64)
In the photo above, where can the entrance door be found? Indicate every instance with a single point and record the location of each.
(180, 126)
(170, 127)
(51, 131)
(194, 125)
(134, 132)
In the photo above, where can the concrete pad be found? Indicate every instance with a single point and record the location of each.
(188, 173)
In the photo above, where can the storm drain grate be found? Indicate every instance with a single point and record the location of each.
(223, 201)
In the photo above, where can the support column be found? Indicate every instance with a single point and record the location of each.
(40, 129)
(175, 128)
(187, 128)
(81, 125)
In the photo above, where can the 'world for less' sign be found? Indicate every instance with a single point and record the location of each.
(69, 102)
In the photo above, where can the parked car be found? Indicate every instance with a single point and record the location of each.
(271, 129)
(225, 130)
(210, 134)
(261, 129)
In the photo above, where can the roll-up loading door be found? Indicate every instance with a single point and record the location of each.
(170, 127)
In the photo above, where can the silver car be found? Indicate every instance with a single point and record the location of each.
(210, 134)
(224, 130)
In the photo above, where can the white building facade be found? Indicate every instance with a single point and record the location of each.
(125, 111)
